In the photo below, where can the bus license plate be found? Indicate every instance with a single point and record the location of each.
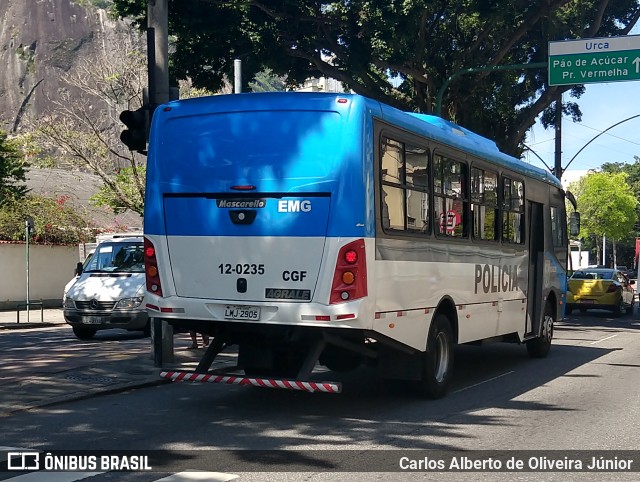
(235, 312)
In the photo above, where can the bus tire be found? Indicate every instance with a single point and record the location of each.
(539, 347)
(83, 333)
(437, 361)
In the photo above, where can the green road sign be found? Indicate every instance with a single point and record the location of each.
(585, 61)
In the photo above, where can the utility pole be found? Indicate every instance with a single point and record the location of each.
(237, 76)
(158, 23)
(557, 168)
(159, 93)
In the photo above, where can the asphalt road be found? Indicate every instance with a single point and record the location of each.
(584, 397)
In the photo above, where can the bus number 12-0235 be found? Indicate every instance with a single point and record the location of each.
(239, 269)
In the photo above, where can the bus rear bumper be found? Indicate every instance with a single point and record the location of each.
(346, 315)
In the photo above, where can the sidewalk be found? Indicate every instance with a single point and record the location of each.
(35, 318)
(30, 380)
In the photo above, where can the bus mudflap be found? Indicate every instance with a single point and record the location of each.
(234, 379)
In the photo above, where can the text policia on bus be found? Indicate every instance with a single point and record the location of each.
(332, 230)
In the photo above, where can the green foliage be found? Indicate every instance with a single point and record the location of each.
(55, 222)
(607, 205)
(128, 182)
(12, 171)
(32, 151)
(631, 170)
(95, 3)
(400, 53)
(267, 81)
(188, 91)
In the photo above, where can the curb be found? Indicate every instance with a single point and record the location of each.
(85, 395)
(28, 326)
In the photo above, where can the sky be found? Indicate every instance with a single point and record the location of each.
(602, 106)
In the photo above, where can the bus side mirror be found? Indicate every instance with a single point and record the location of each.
(574, 223)
(79, 269)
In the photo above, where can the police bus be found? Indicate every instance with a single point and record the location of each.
(330, 230)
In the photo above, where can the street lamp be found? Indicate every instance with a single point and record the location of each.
(607, 129)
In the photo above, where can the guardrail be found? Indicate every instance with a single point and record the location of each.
(27, 306)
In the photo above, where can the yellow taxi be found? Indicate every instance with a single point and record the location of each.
(600, 288)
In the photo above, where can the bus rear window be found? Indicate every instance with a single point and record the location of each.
(253, 145)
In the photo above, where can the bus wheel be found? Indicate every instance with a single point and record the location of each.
(437, 361)
(539, 347)
(84, 333)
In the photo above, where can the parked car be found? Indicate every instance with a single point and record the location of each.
(600, 288)
(629, 273)
(109, 290)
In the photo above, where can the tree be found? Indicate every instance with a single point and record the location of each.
(627, 247)
(84, 130)
(12, 171)
(55, 222)
(266, 81)
(400, 53)
(607, 206)
(123, 181)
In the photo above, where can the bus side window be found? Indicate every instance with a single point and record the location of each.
(484, 204)
(512, 211)
(450, 197)
(404, 187)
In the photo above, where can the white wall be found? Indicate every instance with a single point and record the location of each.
(579, 259)
(50, 268)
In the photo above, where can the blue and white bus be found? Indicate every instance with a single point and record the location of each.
(332, 230)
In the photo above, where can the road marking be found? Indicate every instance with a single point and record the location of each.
(195, 475)
(607, 338)
(485, 381)
(54, 476)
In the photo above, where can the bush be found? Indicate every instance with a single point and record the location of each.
(54, 221)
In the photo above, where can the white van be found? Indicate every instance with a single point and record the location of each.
(109, 290)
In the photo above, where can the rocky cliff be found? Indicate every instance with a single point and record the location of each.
(40, 40)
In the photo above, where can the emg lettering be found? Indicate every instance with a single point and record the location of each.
(495, 278)
(294, 206)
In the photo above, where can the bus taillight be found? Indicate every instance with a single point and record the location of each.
(351, 256)
(350, 276)
(151, 268)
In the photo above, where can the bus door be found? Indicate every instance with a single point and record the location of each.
(536, 267)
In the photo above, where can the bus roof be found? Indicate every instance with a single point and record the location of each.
(429, 126)
(458, 137)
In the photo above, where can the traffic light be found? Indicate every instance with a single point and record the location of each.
(135, 136)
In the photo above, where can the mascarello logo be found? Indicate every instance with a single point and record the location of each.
(241, 203)
(23, 461)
